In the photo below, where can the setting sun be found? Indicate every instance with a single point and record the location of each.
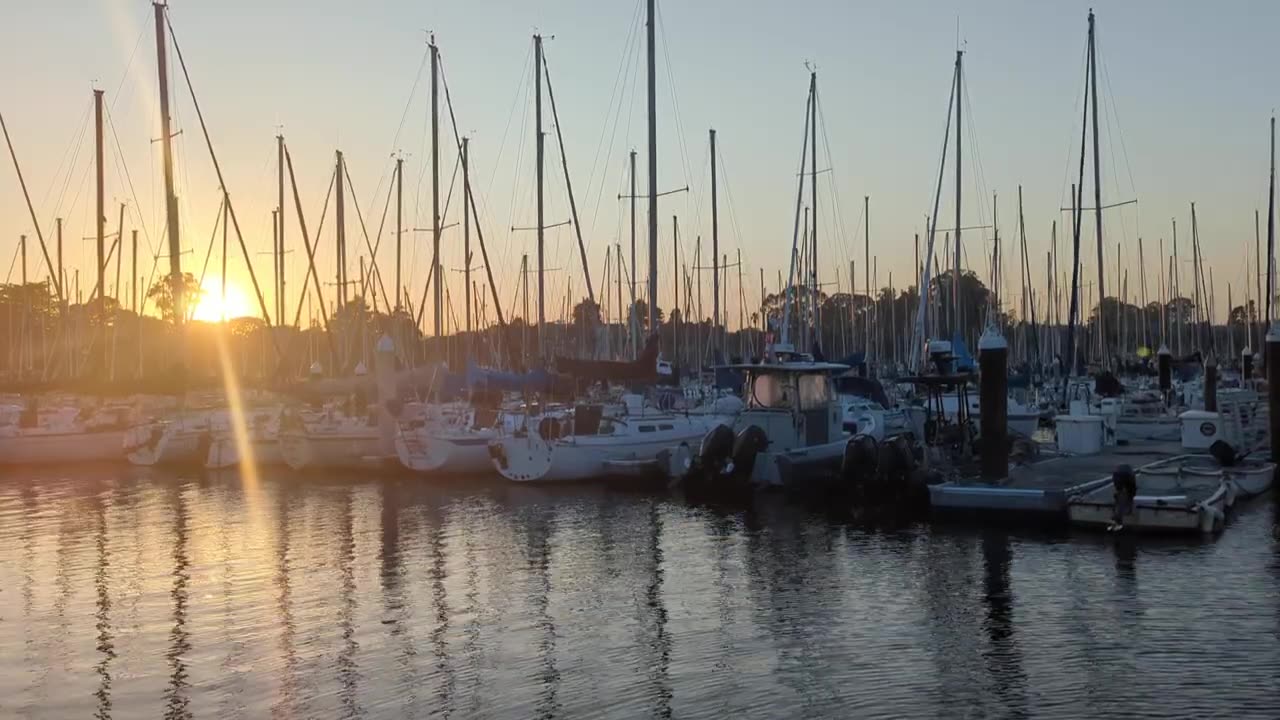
(214, 307)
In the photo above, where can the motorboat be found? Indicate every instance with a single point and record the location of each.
(790, 432)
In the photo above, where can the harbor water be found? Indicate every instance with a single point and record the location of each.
(127, 593)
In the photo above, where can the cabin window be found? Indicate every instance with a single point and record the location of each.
(645, 428)
(770, 391)
(815, 392)
(666, 427)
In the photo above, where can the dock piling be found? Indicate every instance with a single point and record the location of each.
(993, 403)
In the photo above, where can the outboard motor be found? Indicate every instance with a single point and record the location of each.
(860, 463)
(750, 442)
(716, 449)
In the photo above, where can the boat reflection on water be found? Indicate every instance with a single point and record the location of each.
(373, 597)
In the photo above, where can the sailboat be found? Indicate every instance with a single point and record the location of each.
(30, 435)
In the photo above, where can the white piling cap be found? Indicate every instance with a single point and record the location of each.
(316, 368)
(1273, 333)
(992, 339)
(386, 344)
(1164, 350)
(361, 369)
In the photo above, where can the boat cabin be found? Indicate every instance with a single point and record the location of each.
(793, 402)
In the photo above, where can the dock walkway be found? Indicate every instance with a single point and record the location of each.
(1045, 486)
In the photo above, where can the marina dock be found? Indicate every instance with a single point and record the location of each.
(1044, 487)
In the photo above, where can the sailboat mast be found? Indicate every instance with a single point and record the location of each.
(166, 143)
(715, 244)
(100, 219)
(955, 279)
(435, 187)
(466, 234)
(813, 204)
(538, 145)
(1271, 224)
(632, 320)
(399, 289)
(340, 237)
(1097, 192)
(653, 171)
(278, 250)
(866, 270)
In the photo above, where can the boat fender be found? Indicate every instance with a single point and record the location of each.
(716, 448)
(498, 454)
(746, 446)
(549, 428)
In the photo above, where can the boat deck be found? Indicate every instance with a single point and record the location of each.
(1045, 486)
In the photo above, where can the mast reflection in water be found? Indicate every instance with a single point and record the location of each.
(131, 594)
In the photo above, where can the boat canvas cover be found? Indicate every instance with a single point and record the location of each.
(642, 369)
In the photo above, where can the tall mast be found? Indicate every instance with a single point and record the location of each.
(1271, 223)
(955, 278)
(399, 288)
(166, 143)
(675, 286)
(435, 185)
(866, 269)
(101, 217)
(1180, 319)
(466, 233)
(632, 320)
(1257, 276)
(537, 136)
(653, 173)
(715, 245)
(622, 331)
(813, 203)
(279, 217)
(1097, 194)
(341, 237)
(275, 263)
(133, 281)
(1142, 289)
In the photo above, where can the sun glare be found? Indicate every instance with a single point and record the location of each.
(214, 307)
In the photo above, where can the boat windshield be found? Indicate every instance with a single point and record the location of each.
(770, 390)
(815, 391)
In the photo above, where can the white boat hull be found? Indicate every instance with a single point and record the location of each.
(530, 458)
(55, 448)
(224, 453)
(347, 451)
(463, 455)
(173, 446)
(1206, 517)
(788, 468)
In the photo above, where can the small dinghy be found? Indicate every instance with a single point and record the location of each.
(1187, 493)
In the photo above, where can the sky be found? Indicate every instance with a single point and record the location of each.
(1185, 96)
